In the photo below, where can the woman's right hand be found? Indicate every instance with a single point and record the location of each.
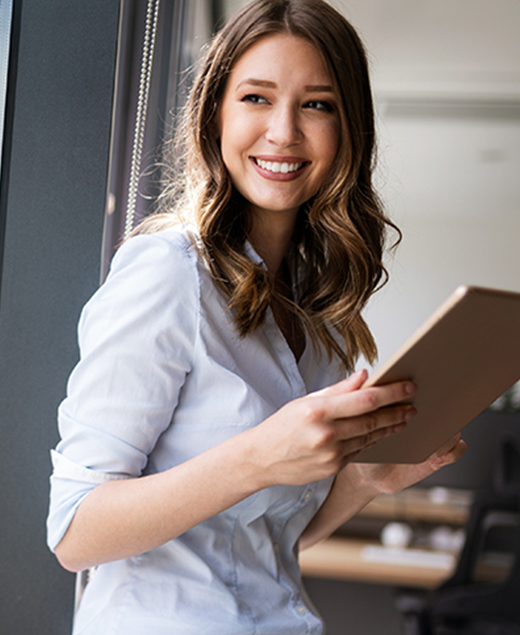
(306, 440)
(315, 436)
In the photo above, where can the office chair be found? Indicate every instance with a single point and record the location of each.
(483, 595)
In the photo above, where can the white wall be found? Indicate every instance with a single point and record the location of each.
(450, 45)
(447, 83)
(452, 186)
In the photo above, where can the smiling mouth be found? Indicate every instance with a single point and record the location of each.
(279, 167)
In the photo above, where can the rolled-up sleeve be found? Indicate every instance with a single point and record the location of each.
(136, 338)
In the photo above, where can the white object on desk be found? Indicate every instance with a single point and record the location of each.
(408, 557)
(396, 535)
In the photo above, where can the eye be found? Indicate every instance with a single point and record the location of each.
(254, 99)
(323, 106)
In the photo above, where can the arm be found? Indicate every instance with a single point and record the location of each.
(357, 484)
(306, 440)
(122, 518)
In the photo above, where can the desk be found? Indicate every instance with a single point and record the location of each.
(345, 557)
(436, 505)
(341, 558)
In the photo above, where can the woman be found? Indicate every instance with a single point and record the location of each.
(206, 435)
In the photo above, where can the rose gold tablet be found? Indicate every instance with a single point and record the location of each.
(462, 358)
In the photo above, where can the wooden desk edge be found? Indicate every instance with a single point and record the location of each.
(342, 559)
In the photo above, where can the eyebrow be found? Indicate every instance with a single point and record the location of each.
(319, 88)
(264, 83)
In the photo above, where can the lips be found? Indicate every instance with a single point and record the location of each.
(279, 168)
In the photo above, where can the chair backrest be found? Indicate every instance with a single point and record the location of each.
(486, 583)
(507, 473)
(483, 595)
(82, 579)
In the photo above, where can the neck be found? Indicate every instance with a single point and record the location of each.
(271, 237)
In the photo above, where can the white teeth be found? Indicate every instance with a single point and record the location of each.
(274, 166)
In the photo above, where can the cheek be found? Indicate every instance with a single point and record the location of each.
(238, 137)
(226, 136)
(326, 141)
(231, 156)
(328, 153)
(333, 141)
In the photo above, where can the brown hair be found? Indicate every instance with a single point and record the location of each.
(340, 232)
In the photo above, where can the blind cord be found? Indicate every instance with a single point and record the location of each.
(145, 79)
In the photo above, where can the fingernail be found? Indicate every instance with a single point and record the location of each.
(410, 412)
(410, 388)
(398, 427)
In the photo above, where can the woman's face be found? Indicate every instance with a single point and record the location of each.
(279, 124)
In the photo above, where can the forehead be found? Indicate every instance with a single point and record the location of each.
(282, 57)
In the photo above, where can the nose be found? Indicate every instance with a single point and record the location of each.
(284, 127)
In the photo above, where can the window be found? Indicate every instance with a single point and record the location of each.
(159, 42)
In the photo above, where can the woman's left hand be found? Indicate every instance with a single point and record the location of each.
(391, 478)
(358, 483)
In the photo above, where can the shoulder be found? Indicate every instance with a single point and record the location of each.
(166, 251)
(152, 278)
(164, 261)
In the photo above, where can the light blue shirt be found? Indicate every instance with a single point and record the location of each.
(164, 376)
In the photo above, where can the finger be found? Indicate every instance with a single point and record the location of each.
(365, 400)
(353, 382)
(355, 445)
(446, 447)
(383, 418)
(450, 452)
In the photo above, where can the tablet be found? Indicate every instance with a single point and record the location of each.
(466, 355)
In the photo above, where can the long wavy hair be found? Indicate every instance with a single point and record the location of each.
(340, 233)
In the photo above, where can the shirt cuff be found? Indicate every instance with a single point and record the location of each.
(67, 469)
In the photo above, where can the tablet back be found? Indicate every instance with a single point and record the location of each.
(462, 358)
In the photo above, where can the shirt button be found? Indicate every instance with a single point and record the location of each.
(276, 548)
(300, 609)
(307, 495)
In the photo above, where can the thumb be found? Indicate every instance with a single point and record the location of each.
(352, 383)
